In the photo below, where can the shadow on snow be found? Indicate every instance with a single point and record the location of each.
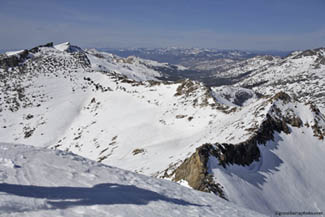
(256, 172)
(101, 194)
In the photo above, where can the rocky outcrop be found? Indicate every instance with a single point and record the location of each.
(82, 59)
(307, 53)
(281, 96)
(37, 49)
(195, 171)
(186, 88)
(247, 152)
(13, 60)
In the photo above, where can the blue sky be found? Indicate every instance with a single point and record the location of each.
(224, 24)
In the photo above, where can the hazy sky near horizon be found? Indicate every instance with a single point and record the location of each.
(224, 24)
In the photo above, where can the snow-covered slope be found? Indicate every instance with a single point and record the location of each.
(134, 68)
(289, 170)
(287, 177)
(41, 182)
(242, 68)
(11, 53)
(116, 111)
(302, 74)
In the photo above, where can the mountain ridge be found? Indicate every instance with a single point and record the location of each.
(123, 112)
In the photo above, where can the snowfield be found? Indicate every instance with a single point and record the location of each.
(287, 177)
(267, 146)
(41, 182)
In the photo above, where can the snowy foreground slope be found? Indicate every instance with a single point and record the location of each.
(42, 182)
(257, 150)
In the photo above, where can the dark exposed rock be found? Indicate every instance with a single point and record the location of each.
(82, 59)
(180, 116)
(314, 109)
(306, 53)
(241, 97)
(294, 121)
(29, 116)
(154, 83)
(247, 152)
(13, 60)
(138, 151)
(251, 86)
(319, 61)
(28, 133)
(73, 49)
(269, 58)
(36, 49)
(318, 131)
(186, 87)
(281, 96)
(195, 168)
(195, 171)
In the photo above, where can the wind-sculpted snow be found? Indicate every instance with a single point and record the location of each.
(41, 182)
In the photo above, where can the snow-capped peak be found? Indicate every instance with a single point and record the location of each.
(12, 53)
(66, 46)
(63, 47)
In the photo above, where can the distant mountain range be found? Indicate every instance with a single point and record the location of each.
(201, 64)
(190, 57)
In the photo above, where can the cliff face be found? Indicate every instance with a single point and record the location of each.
(195, 169)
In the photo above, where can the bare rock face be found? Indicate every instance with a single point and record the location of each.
(195, 168)
(36, 49)
(195, 171)
(281, 96)
(13, 60)
(247, 152)
(186, 88)
(82, 59)
(312, 52)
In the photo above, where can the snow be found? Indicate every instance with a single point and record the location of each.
(128, 122)
(302, 76)
(62, 47)
(7, 163)
(288, 176)
(118, 122)
(13, 53)
(131, 116)
(234, 96)
(133, 68)
(56, 183)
